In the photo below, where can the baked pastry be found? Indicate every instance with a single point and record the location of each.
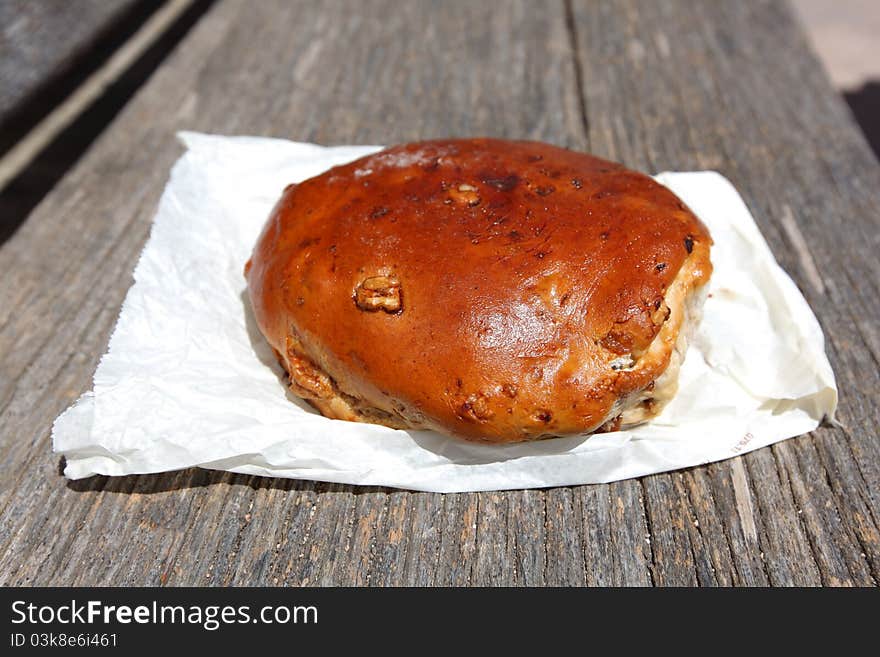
(494, 290)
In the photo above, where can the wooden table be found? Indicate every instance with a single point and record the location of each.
(657, 85)
(42, 43)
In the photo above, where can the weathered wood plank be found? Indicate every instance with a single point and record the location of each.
(736, 513)
(393, 539)
(564, 545)
(710, 546)
(528, 534)
(424, 533)
(668, 521)
(834, 544)
(494, 549)
(42, 41)
(632, 557)
(665, 85)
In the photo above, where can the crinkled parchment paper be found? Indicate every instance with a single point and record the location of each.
(188, 380)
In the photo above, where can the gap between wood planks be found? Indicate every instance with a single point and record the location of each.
(571, 29)
(30, 168)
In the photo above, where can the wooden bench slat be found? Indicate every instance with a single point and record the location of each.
(42, 41)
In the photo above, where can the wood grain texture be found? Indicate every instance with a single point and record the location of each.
(41, 41)
(661, 85)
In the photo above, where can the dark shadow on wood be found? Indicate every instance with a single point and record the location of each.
(150, 484)
(865, 106)
(28, 110)
(24, 192)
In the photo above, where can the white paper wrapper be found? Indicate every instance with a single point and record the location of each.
(188, 380)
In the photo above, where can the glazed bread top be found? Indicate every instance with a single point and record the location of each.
(495, 290)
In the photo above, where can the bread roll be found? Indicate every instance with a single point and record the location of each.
(492, 290)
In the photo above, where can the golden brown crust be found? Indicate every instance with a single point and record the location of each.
(495, 290)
